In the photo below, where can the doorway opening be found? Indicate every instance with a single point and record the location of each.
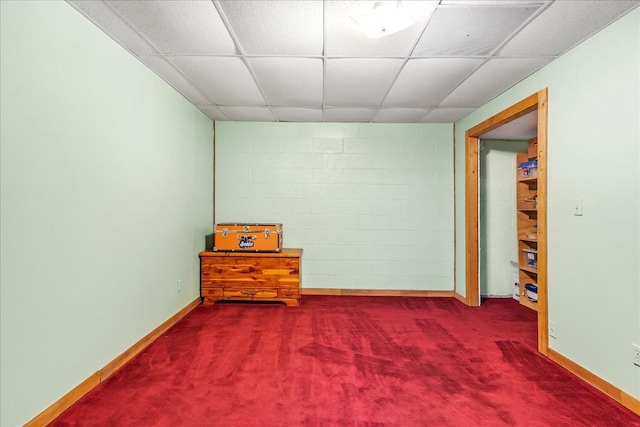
(534, 103)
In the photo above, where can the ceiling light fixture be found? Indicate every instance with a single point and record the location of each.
(386, 18)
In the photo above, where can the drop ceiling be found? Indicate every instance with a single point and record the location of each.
(308, 61)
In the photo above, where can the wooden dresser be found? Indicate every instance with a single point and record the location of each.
(250, 276)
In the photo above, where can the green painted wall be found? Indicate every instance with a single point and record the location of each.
(593, 154)
(106, 195)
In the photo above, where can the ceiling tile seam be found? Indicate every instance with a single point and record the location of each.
(526, 23)
(140, 34)
(406, 58)
(245, 60)
(257, 56)
(123, 20)
(478, 5)
(476, 68)
(152, 45)
(311, 107)
(197, 55)
(186, 79)
(94, 22)
(483, 57)
(487, 58)
(264, 55)
(366, 57)
(598, 29)
(229, 55)
(200, 107)
(496, 95)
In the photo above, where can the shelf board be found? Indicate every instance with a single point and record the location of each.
(530, 304)
(528, 269)
(526, 239)
(528, 179)
(528, 210)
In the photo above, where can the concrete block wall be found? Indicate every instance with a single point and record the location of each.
(370, 204)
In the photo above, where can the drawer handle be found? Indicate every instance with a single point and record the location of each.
(249, 293)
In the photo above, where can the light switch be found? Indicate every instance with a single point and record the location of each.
(577, 207)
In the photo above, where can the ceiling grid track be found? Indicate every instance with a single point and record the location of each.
(151, 44)
(243, 56)
(490, 56)
(308, 61)
(405, 60)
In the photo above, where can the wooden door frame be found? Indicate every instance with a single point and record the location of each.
(537, 101)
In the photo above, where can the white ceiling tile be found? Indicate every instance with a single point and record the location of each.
(286, 114)
(186, 27)
(564, 24)
(399, 115)
(514, 3)
(172, 76)
(105, 17)
(524, 127)
(483, 85)
(292, 82)
(422, 82)
(470, 30)
(359, 82)
(355, 115)
(223, 80)
(345, 37)
(212, 112)
(446, 115)
(247, 114)
(277, 27)
(312, 62)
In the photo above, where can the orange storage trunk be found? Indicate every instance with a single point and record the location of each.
(248, 237)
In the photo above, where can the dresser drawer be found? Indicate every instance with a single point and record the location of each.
(250, 293)
(211, 292)
(261, 270)
(288, 293)
(241, 264)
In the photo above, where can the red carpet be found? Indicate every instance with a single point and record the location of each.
(348, 361)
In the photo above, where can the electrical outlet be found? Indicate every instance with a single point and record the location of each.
(179, 285)
(636, 354)
(553, 329)
(577, 207)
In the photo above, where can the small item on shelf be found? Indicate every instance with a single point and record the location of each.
(528, 169)
(532, 236)
(531, 257)
(515, 278)
(532, 292)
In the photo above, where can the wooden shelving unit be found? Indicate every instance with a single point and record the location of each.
(527, 219)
